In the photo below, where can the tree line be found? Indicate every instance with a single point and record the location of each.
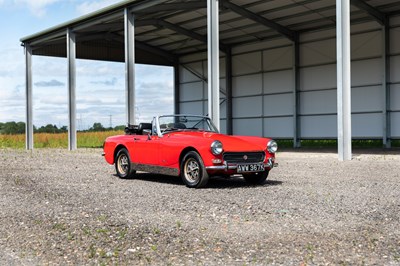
(19, 128)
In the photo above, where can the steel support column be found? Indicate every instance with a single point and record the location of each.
(385, 85)
(71, 57)
(213, 60)
(177, 89)
(343, 79)
(28, 95)
(228, 84)
(129, 66)
(296, 96)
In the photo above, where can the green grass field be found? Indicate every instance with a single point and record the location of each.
(47, 140)
(96, 139)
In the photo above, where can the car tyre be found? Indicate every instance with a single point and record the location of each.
(123, 165)
(256, 178)
(193, 172)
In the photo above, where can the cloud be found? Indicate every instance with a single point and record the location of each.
(12, 62)
(91, 6)
(51, 83)
(111, 82)
(37, 7)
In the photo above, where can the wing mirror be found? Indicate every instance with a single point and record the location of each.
(148, 133)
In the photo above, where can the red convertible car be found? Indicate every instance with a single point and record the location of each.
(191, 147)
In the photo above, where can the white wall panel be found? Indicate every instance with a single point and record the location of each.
(364, 99)
(261, 45)
(395, 40)
(318, 102)
(317, 35)
(395, 124)
(278, 104)
(188, 76)
(247, 85)
(320, 52)
(222, 110)
(320, 77)
(395, 68)
(366, 125)
(246, 63)
(366, 72)
(247, 127)
(193, 108)
(395, 97)
(278, 127)
(266, 68)
(366, 45)
(362, 27)
(222, 124)
(278, 58)
(247, 106)
(193, 57)
(278, 81)
(319, 126)
(191, 91)
(394, 20)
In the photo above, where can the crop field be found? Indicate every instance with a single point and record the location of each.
(60, 140)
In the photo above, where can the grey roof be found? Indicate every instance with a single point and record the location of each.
(168, 29)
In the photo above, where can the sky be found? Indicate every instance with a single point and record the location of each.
(100, 86)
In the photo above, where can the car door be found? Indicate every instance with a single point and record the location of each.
(146, 149)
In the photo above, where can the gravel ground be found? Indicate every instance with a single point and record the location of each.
(60, 207)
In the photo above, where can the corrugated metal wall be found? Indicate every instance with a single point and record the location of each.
(263, 84)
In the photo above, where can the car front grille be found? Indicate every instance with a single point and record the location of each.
(244, 157)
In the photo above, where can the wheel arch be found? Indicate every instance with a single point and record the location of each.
(117, 149)
(184, 152)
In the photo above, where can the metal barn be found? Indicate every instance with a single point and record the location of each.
(287, 69)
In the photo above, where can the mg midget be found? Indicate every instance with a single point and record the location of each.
(191, 147)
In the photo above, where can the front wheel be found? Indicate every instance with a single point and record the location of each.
(256, 178)
(193, 172)
(123, 164)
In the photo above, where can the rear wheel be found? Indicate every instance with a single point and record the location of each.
(256, 178)
(193, 172)
(123, 165)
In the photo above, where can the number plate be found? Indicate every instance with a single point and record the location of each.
(243, 168)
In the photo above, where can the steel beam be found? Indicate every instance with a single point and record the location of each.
(291, 35)
(379, 16)
(296, 96)
(174, 27)
(71, 57)
(228, 80)
(385, 86)
(28, 98)
(129, 27)
(343, 79)
(176, 89)
(213, 61)
(156, 50)
(175, 6)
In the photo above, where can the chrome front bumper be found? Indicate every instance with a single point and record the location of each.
(233, 166)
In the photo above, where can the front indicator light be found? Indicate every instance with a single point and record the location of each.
(216, 161)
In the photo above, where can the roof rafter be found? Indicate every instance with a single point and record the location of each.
(178, 29)
(378, 15)
(175, 6)
(155, 50)
(291, 35)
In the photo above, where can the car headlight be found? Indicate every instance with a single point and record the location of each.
(272, 146)
(216, 147)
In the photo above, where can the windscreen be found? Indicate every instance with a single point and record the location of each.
(175, 123)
